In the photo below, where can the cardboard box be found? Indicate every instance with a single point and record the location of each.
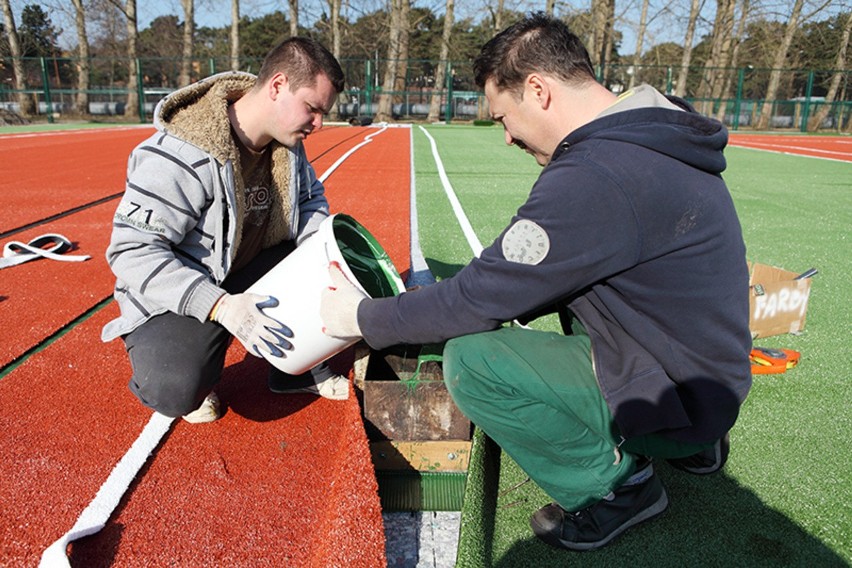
(778, 302)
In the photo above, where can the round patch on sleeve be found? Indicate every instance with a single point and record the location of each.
(526, 243)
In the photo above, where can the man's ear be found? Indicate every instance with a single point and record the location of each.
(537, 87)
(277, 85)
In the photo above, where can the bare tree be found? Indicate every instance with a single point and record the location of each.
(440, 71)
(497, 17)
(839, 70)
(385, 109)
(735, 52)
(683, 73)
(185, 76)
(549, 6)
(235, 35)
(778, 63)
(128, 8)
(640, 36)
(27, 106)
(334, 8)
(601, 34)
(720, 43)
(293, 5)
(83, 65)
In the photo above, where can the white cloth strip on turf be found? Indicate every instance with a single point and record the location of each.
(95, 516)
(420, 273)
(15, 252)
(466, 227)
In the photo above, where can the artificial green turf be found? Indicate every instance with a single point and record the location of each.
(785, 498)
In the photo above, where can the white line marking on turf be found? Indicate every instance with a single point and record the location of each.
(467, 229)
(420, 273)
(95, 516)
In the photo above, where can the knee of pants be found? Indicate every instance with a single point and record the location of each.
(169, 394)
(466, 371)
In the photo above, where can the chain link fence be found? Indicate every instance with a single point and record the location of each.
(736, 96)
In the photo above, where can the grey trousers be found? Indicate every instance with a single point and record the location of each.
(178, 360)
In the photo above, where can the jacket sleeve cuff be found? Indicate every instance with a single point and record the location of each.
(204, 297)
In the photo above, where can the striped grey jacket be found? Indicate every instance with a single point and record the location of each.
(178, 225)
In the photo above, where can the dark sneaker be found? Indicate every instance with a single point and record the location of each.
(640, 499)
(335, 387)
(706, 461)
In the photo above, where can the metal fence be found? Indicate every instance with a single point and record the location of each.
(734, 96)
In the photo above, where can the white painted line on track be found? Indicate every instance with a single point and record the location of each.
(344, 157)
(95, 516)
(798, 154)
(467, 229)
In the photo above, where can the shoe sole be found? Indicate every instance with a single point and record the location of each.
(645, 514)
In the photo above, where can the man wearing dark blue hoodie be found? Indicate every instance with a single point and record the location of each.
(631, 235)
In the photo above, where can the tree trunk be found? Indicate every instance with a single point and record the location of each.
(731, 72)
(839, 68)
(683, 74)
(640, 35)
(497, 17)
(385, 110)
(27, 106)
(235, 35)
(334, 8)
(132, 108)
(188, 32)
(548, 7)
(81, 103)
(778, 63)
(440, 72)
(722, 29)
(294, 17)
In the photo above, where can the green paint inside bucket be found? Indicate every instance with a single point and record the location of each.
(366, 258)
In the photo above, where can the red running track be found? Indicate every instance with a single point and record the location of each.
(279, 481)
(829, 147)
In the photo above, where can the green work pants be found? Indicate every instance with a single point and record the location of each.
(536, 395)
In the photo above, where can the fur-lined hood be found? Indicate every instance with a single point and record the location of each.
(198, 114)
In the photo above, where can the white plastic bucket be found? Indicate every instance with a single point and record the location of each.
(298, 280)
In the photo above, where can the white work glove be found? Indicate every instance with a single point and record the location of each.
(242, 315)
(339, 305)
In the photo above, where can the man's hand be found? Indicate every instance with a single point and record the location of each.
(339, 305)
(242, 315)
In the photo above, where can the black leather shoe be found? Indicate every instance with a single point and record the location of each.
(596, 525)
(706, 461)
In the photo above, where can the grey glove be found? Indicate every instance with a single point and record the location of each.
(242, 315)
(339, 305)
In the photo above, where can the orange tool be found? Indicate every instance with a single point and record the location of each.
(771, 361)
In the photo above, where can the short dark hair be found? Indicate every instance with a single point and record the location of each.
(302, 59)
(538, 43)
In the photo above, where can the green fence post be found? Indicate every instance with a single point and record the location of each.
(669, 80)
(806, 109)
(141, 89)
(740, 80)
(46, 88)
(449, 111)
(212, 66)
(368, 83)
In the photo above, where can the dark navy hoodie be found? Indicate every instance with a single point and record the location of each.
(645, 249)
